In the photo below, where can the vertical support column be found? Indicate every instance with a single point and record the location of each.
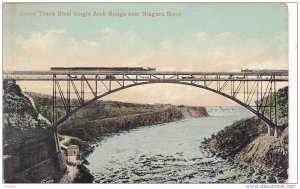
(109, 89)
(257, 86)
(271, 130)
(53, 101)
(82, 88)
(261, 90)
(270, 105)
(277, 132)
(54, 114)
(218, 83)
(68, 95)
(96, 85)
(244, 83)
(231, 87)
(275, 99)
(247, 88)
(123, 82)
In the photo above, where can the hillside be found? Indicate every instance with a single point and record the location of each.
(246, 141)
(29, 151)
(103, 117)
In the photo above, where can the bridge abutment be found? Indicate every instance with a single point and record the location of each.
(278, 132)
(274, 131)
(271, 131)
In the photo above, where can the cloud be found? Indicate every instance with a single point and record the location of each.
(109, 31)
(224, 36)
(165, 45)
(201, 36)
(40, 40)
(197, 51)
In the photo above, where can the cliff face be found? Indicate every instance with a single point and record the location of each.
(102, 117)
(92, 129)
(28, 143)
(235, 137)
(192, 112)
(246, 141)
(267, 153)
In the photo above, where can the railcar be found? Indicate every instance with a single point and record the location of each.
(261, 71)
(101, 69)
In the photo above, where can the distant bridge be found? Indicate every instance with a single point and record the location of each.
(247, 88)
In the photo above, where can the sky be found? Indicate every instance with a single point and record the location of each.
(205, 37)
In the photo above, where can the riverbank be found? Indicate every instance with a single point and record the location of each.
(103, 118)
(95, 129)
(247, 141)
(77, 172)
(169, 153)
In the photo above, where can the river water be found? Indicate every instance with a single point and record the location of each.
(171, 153)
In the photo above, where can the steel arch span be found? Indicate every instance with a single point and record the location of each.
(253, 89)
(90, 101)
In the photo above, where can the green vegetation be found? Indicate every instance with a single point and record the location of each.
(245, 140)
(234, 137)
(14, 101)
(282, 103)
(44, 105)
(17, 108)
(95, 111)
(84, 175)
(84, 147)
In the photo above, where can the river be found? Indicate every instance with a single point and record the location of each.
(171, 153)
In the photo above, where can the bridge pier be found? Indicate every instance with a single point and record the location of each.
(274, 131)
(278, 131)
(271, 130)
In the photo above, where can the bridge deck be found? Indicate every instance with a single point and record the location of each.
(276, 73)
(167, 76)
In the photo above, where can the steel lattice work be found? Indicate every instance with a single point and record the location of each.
(73, 90)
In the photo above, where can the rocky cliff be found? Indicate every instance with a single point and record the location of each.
(267, 153)
(28, 143)
(97, 128)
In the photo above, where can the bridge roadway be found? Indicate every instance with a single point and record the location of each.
(171, 76)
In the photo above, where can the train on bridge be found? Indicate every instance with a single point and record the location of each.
(101, 69)
(261, 71)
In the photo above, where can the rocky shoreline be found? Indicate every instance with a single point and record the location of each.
(247, 141)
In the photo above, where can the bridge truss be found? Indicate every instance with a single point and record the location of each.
(74, 90)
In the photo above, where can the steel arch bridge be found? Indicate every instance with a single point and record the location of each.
(72, 90)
